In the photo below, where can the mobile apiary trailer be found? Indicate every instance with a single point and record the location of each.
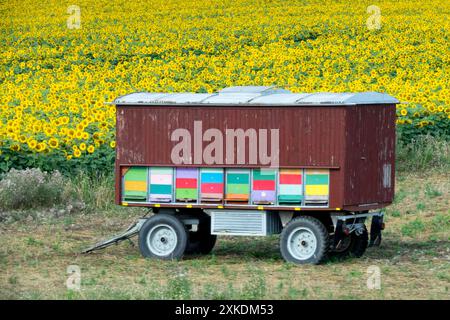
(255, 161)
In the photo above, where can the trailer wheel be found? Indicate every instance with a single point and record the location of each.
(304, 240)
(353, 245)
(201, 241)
(163, 236)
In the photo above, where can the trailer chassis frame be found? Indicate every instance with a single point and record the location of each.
(341, 228)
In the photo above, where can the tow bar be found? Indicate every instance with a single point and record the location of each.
(131, 231)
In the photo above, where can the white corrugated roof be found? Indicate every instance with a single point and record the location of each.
(255, 95)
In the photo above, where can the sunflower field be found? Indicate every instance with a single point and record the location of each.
(62, 60)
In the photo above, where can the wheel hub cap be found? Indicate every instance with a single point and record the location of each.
(302, 243)
(162, 240)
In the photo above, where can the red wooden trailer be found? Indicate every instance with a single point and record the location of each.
(256, 161)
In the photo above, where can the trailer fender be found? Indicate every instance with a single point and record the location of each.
(347, 224)
(285, 217)
(375, 230)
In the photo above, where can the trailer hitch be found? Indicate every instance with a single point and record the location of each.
(131, 231)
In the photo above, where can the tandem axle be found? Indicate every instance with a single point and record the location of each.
(171, 233)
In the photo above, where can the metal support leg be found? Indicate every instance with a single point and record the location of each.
(375, 230)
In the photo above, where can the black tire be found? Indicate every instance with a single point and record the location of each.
(201, 241)
(356, 248)
(173, 226)
(312, 225)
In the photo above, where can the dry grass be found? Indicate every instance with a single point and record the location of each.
(413, 259)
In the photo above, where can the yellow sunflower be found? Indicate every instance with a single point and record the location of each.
(32, 144)
(77, 153)
(53, 143)
(15, 147)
